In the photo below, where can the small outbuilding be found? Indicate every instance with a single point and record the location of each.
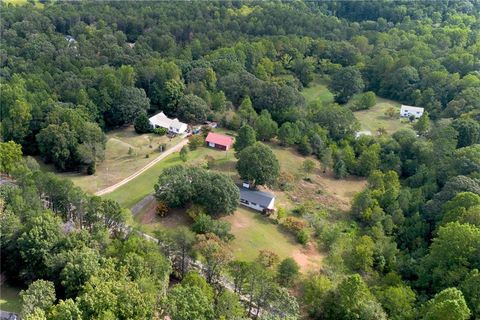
(257, 200)
(407, 111)
(219, 141)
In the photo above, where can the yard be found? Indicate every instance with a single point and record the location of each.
(9, 299)
(375, 117)
(137, 189)
(126, 152)
(254, 232)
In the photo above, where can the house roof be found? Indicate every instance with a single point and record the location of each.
(161, 120)
(219, 139)
(410, 108)
(176, 124)
(258, 197)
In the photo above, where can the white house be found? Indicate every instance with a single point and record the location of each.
(407, 111)
(160, 120)
(177, 126)
(358, 134)
(257, 200)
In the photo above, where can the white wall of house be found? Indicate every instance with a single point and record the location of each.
(251, 205)
(407, 111)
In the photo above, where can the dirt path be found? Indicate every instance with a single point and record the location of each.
(165, 154)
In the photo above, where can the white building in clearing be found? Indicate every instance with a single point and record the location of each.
(407, 111)
(160, 120)
(358, 134)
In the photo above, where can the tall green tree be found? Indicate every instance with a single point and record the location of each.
(265, 126)
(448, 304)
(10, 156)
(246, 137)
(345, 83)
(258, 164)
(40, 294)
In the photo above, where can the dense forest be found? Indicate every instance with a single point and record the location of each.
(408, 249)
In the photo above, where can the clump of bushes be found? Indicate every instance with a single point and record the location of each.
(160, 131)
(298, 227)
(364, 101)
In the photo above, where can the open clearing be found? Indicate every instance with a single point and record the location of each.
(126, 152)
(9, 299)
(322, 188)
(253, 232)
(317, 91)
(375, 117)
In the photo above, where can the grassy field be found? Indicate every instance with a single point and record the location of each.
(38, 4)
(253, 232)
(134, 191)
(375, 117)
(9, 299)
(125, 154)
(317, 91)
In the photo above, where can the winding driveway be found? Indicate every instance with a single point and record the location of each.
(165, 154)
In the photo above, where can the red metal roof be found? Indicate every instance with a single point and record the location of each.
(219, 139)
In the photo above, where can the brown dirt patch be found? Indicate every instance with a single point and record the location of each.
(174, 218)
(308, 258)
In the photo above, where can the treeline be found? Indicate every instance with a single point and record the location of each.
(107, 64)
(75, 257)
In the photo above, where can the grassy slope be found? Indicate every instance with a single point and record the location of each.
(253, 232)
(9, 299)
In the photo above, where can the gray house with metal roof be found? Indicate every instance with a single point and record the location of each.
(257, 200)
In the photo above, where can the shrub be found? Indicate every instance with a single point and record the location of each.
(308, 165)
(294, 224)
(142, 124)
(364, 101)
(281, 213)
(205, 224)
(303, 236)
(162, 209)
(196, 141)
(92, 168)
(160, 131)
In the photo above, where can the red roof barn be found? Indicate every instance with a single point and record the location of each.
(219, 141)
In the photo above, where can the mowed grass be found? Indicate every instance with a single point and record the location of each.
(126, 152)
(253, 232)
(129, 194)
(9, 298)
(317, 91)
(375, 117)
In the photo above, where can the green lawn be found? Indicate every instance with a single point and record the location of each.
(9, 299)
(134, 191)
(317, 91)
(375, 117)
(253, 232)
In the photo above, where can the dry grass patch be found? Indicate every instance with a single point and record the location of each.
(375, 117)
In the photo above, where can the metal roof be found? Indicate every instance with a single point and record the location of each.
(258, 197)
